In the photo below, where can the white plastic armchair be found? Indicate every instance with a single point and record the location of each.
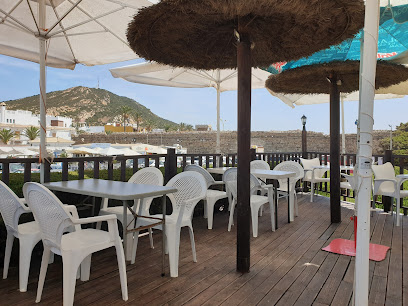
(312, 174)
(212, 195)
(261, 165)
(191, 188)
(290, 166)
(11, 208)
(387, 184)
(256, 201)
(147, 176)
(75, 247)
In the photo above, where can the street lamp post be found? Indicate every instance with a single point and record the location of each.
(390, 136)
(304, 140)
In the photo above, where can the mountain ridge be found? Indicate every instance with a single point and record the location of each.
(95, 106)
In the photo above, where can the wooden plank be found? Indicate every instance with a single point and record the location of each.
(394, 280)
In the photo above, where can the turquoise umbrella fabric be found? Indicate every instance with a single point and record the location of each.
(392, 43)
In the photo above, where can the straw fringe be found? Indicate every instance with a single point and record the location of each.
(312, 79)
(200, 33)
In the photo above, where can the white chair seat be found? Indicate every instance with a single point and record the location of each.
(216, 194)
(322, 180)
(259, 200)
(85, 239)
(115, 210)
(29, 228)
(345, 185)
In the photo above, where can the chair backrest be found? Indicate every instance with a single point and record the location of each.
(190, 185)
(208, 178)
(308, 164)
(148, 176)
(10, 208)
(230, 180)
(385, 171)
(259, 164)
(49, 212)
(290, 166)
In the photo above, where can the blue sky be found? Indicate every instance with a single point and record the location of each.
(19, 79)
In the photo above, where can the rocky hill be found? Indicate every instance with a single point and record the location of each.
(95, 106)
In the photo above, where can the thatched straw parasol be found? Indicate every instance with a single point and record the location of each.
(331, 78)
(312, 79)
(212, 34)
(200, 34)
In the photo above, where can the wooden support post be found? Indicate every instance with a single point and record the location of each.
(170, 165)
(387, 201)
(244, 156)
(253, 154)
(335, 208)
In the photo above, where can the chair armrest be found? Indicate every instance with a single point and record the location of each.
(401, 180)
(193, 200)
(218, 183)
(93, 219)
(378, 182)
(350, 179)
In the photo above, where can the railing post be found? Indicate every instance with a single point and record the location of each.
(47, 171)
(253, 154)
(387, 201)
(170, 165)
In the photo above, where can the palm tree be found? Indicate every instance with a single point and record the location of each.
(182, 126)
(6, 135)
(31, 132)
(189, 127)
(125, 111)
(137, 117)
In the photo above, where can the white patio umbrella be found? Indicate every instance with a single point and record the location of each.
(63, 33)
(152, 73)
(110, 151)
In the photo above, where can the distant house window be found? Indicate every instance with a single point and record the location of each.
(7, 120)
(14, 120)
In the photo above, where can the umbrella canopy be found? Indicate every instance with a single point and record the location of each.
(110, 151)
(215, 34)
(392, 43)
(90, 32)
(200, 34)
(153, 73)
(312, 79)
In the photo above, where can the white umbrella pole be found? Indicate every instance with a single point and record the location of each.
(364, 171)
(343, 132)
(218, 147)
(43, 93)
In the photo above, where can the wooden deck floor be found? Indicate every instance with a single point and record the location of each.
(288, 267)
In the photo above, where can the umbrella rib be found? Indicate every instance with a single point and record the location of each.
(86, 21)
(78, 34)
(206, 75)
(64, 33)
(12, 10)
(13, 25)
(90, 16)
(124, 4)
(232, 75)
(178, 74)
(16, 21)
(63, 16)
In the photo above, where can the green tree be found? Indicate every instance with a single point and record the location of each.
(137, 117)
(31, 132)
(182, 126)
(399, 140)
(125, 113)
(6, 135)
(149, 126)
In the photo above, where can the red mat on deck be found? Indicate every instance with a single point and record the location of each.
(347, 247)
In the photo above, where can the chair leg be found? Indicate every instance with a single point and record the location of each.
(397, 213)
(122, 268)
(173, 244)
(26, 249)
(205, 209)
(98, 225)
(134, 247)
(312, 191)
(193, 248)
(151, 238)
(209, 208)
(86, 268)
(254, 216)
(43, 272)
(70, 265)
(231, 216)
(296, 205)
(7, 254)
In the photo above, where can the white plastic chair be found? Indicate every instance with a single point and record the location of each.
(75, 247)
(256, 201)
(261, 165)
(290, 166)
(313, 175)
(191, 188)
(387, 184)
(147, 176)
(11, 208)
(212, 195)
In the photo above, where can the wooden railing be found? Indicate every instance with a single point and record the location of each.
(122, 167)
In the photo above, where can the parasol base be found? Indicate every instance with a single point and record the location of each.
(347, 247)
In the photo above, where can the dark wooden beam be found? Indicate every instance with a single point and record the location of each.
(335, 208)
(244, 156)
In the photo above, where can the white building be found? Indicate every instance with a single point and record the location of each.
(19, 120)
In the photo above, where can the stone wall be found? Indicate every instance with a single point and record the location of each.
(204, 142)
